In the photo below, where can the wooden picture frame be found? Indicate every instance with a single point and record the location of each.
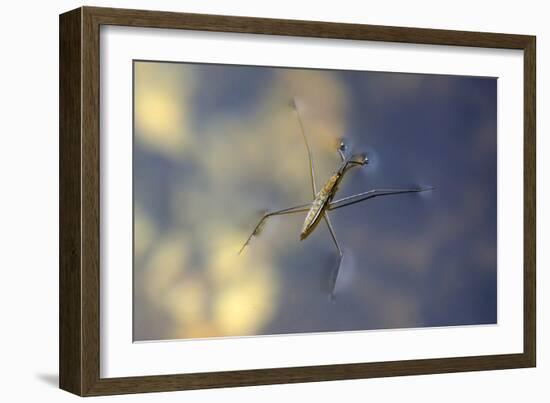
(79, 278)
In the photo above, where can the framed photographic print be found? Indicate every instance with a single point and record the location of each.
(249, 201)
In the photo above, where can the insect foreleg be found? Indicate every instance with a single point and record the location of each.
(309, 155)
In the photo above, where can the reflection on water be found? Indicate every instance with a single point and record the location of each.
(216, 145)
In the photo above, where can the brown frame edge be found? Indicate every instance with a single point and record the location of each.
(79, 361)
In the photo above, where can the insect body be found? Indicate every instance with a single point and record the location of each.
(325, 196)
(323, 200)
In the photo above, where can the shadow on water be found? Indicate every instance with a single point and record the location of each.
(337, 275)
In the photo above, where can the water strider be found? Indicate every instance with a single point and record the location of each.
(323, 200)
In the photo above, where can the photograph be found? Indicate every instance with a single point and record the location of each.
(275, 200)
(241, 201)
(248, 199)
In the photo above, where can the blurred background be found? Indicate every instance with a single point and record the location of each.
(215, 146)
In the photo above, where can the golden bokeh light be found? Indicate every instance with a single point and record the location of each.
(144, 233)
(162, 115)
(166, 263)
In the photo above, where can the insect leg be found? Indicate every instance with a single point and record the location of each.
(257, 229)
(341, 152)
(346, 201)
(309, 155)
(334, 277)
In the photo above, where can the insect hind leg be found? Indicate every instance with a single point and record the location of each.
(258, 228)
(359, 197)
(333, 277)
